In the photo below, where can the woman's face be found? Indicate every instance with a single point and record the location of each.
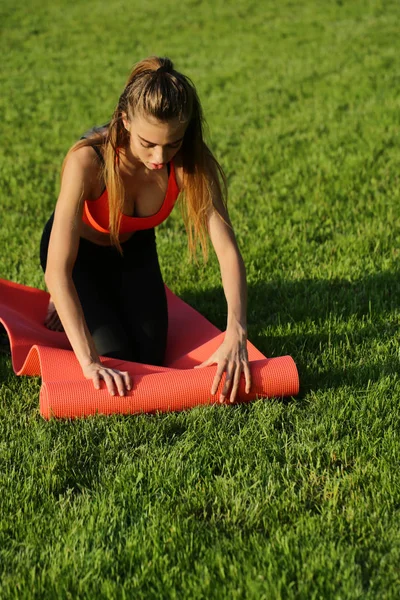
(154, 142)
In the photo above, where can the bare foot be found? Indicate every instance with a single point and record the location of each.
(52, 320)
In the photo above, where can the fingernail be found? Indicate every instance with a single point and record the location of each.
(121, 394)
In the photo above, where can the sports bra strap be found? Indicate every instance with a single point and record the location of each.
(92, 133)
(99, 154)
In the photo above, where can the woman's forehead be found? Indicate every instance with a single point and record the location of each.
(158, 132)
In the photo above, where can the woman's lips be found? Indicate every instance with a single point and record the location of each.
(157, 165)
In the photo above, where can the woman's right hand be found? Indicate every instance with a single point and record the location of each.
(116, 381)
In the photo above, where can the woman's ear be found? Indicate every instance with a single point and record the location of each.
(125, 121)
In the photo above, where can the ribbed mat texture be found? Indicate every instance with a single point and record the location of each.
(191, 339)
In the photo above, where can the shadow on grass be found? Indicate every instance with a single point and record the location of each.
(337, 315)
(322, 324)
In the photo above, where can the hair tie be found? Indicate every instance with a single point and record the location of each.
(163, 69)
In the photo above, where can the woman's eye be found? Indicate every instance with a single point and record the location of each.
(153, 145)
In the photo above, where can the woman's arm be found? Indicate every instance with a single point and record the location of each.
(78, 181)
(231, 356)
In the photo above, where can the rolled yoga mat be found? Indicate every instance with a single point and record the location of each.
(191, 339)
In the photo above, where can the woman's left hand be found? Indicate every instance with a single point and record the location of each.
(231, 357)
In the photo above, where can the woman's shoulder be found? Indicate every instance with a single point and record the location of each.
(83, 165)
(84, 157)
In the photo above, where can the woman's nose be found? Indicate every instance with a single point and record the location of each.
(159, 156)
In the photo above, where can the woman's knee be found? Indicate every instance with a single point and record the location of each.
(111, 341)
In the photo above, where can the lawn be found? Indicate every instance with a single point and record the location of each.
(294, 499)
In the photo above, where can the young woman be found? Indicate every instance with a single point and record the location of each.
(98, 249)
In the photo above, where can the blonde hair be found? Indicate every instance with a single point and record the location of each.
(156, 89)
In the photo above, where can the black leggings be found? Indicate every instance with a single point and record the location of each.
(122, 297)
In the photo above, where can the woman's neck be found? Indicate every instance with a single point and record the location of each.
(128, 163)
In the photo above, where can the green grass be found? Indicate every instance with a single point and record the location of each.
(297, 499)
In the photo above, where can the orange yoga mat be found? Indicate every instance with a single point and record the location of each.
(177, 386)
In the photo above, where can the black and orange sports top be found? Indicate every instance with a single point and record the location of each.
(96, 212)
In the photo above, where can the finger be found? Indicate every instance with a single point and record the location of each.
(51, 314)
(55, 323)
(119, 382)
(206, 363)
(230, 372)
(50, 321)
(96, 381)
(247, 374)
(108, 381)
(127, 380)
(57, 326)
(217, 379)
(236, 382)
